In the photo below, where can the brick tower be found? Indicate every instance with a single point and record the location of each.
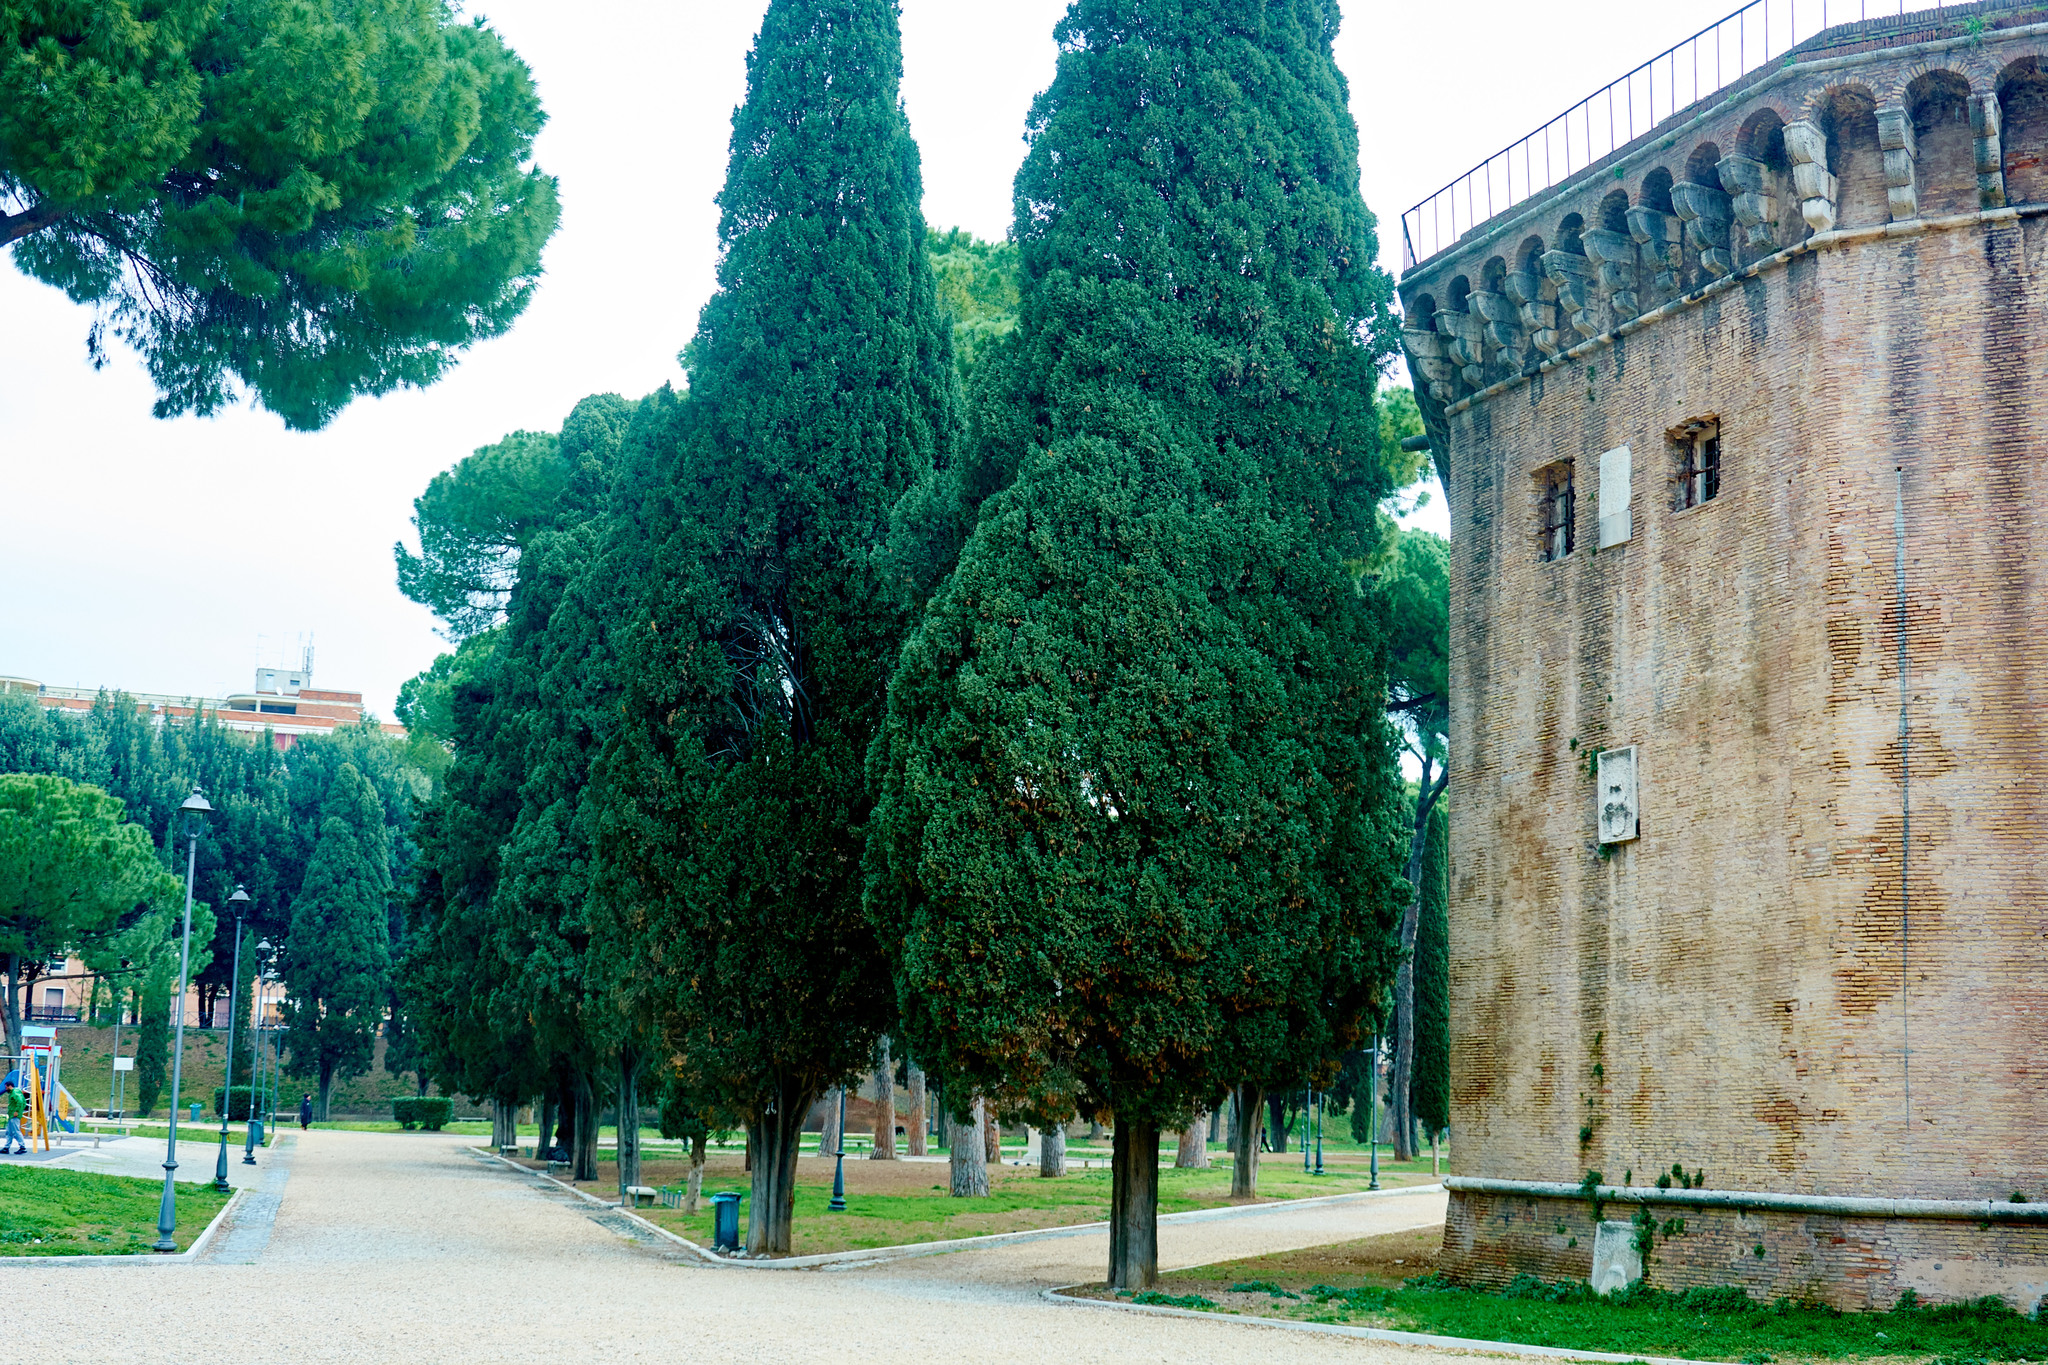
(1743, 426)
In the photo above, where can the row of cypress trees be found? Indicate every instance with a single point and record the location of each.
(1040, 726)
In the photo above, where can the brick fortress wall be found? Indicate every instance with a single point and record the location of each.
(1846, 266)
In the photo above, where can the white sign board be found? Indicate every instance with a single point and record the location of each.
(124, 1063)
(1618, 809)
(1616, 526)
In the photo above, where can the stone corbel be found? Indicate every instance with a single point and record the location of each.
(1535, 296)
(1986, 124)
(1573, 276)
(1748, 182)
(1705, 212)
(1426, 359)
(1499, 324)
(1807, 146)
(1657, 235)
(1615, 255)
(1464, 347)
(1895, 136)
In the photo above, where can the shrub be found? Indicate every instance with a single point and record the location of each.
(428, 1112)
(237, 1101)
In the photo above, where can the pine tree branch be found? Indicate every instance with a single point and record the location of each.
(36, 217)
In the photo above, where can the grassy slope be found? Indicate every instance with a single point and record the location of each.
(88, 1072)
(1363, 1282)
(46, 1212)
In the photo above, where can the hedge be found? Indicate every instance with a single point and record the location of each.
(428, 1112)
(240, 1101)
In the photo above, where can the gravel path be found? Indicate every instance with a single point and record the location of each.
(389, 1247)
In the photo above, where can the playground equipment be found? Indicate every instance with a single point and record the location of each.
(36, 1069)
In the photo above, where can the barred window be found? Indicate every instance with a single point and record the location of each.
(1698, 476)
(1559, 508)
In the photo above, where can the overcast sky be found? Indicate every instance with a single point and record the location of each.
(175, 556)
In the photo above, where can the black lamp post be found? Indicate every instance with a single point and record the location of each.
(240, 901)
(194, 812)
(256, 1082)
(838, 1204)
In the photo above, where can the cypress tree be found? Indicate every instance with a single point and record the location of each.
(1137, 835)
(821, 388)
(337, 953)
(1430, 1092)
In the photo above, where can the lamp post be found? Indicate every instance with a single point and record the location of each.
(195, 810)
(838, 1204)
(1372, 1128)
(276, 1059)
(256, 1081)
(240, 900)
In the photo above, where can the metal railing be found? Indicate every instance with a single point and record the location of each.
(1680, 76)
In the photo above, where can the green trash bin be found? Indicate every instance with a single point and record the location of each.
(195, 1111)
(725, 1221)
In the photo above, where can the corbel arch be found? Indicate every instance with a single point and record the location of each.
(1937, 100)
(1846, 116)
(2022, 90)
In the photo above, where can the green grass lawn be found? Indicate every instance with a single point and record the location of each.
(46, 1212)
(894, 1203)
(1364, 1283)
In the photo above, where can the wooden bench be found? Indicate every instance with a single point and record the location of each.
(639, 1196)
(558, 1169)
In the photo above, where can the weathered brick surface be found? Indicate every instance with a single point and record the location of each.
(1856, 1263)
(1823, 966)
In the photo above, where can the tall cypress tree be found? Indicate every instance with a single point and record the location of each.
(1137, 834)
(1430, 1091)
(821, 387)
(337, 954)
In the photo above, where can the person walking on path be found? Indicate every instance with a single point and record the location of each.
(305, 1112)
(17, 1105)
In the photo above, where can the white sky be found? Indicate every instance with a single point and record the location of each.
(162, 556)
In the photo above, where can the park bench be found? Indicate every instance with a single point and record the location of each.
(639, 1196)
(558, 1169)
(672, 1196)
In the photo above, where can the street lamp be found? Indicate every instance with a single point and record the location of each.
(838, 1204)
(276, 1069)
(195, 810)
(240, 902)
(256, 1082)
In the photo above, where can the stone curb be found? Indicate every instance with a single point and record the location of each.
(185, 1257)
(1472, 1345)
(834, 1260)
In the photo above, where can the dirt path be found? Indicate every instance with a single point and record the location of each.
(390, 1247)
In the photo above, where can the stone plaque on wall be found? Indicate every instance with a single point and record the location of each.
(1618, 809)
(1616, 525)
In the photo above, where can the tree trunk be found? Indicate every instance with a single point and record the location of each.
(1276, 1116)
(1134, 1205)
(544, 1130)
(968, 1157)
(885, 1103)
(992, 1133)
(585, 1150)
(326, 1083)
(696, 1186)
(1192, 1153)
(1052, 1150)
(776, 1137)
(747, 1156)
(14, 1004)
(1246, 1102)
(914, 1117)
(628, 1118)
(1404, 975)
(1216, 1125)
(1095, 1130)
(829, 1135)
